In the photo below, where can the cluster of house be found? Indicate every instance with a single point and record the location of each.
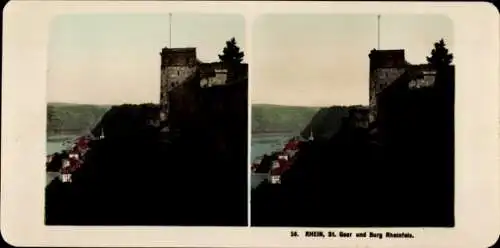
(71, 159)
(280, 161)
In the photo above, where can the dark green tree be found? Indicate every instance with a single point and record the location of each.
(440, 56)
(231, 54)
(441, 60)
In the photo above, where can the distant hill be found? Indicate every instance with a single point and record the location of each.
(69, 118)
(268, 118)
(323, 121)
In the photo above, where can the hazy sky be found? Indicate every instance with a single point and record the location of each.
(114, 58)
(309, 60)
(322, 60)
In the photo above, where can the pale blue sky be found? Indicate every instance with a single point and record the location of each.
(114, 58)
(322, 60)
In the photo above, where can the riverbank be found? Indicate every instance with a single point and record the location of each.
(60, 137)
(266, 143)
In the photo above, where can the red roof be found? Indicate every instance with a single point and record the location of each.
(283, 166)
(66, 170)
(292, 145)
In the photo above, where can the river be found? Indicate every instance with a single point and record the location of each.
(55, 143)
(266, 143)
(261, 143)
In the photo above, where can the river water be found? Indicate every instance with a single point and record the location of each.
(266, 144)
(55, 144)
(261, 143)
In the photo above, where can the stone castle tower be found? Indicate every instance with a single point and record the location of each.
(385, 67)
(177, 65)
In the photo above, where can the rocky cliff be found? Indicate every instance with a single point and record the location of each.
(327, 121)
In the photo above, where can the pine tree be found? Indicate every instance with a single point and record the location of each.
(439, 55)
(231, 54)
(440, 60)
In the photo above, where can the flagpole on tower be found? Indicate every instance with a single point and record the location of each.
(170, 30)
(378, 32)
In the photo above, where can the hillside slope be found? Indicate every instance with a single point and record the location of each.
(327, 121)
(76, 118)
(275, 118)
(68, 118)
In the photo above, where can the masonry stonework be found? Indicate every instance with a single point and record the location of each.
(427, 79)
(219, 78)
(386, 66)
(180, 65)
(379, 80)
(176, 75)
(177, 65)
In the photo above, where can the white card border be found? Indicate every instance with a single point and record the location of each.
(476, 50)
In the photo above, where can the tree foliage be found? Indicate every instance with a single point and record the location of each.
(231, 54)
(440, 55)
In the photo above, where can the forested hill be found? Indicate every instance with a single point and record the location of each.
(324, 121)
(67, 118)
(276, 118)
